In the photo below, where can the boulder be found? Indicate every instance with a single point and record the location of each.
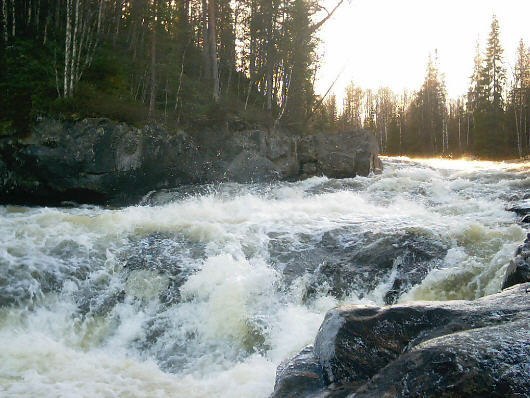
(429, 349)
(521, 208)
(97, 160)
(340, 155)
(485, 362)
(519, 269)
(299, 376)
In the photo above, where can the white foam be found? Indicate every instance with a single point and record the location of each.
(235, 322)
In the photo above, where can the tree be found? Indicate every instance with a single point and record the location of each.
(212, 46)
(494, 73)
(519, 99)
(427, 115)
(352, 107)
(489, 132)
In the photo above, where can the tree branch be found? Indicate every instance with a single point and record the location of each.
(319, 24)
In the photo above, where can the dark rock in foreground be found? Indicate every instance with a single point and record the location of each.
(428, 349)
(486, 362)
(101, 161)
(519, 269)
(299, 376)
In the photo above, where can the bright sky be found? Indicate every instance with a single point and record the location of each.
(386, 42)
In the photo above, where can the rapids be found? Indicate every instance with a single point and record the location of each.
(203, 291)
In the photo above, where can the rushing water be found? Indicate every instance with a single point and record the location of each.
(202, 292)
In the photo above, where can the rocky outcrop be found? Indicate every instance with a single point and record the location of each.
(429, 349)
(100, 161)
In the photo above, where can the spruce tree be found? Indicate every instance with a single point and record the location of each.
(489, 130)
(494, 72)
(428, 113)
(519, 100)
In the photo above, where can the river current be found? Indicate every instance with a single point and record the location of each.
(203, 291)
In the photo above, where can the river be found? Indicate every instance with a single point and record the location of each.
(203, 291)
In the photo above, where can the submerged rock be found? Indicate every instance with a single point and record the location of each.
(429, 349)
(101, 161)
(343, 260)
(521, 208)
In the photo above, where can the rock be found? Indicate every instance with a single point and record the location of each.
(519, 269)
(521, 208)
(95, 161)
(249, 166)
(300, 376)
(428, 349)
(336, 263)
(491, 361)
(101, 161)
(340, 155)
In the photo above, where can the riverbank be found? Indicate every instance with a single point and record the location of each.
(100, 161)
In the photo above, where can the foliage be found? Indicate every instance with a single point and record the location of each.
(157, 60)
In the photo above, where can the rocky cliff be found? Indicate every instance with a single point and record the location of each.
(101, 161)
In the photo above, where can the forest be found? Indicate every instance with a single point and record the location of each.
(490, 121)
(197, 64)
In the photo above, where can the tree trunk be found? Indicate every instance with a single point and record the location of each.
(14, 19)
(4, 19)
(152, 96)
(45, 36)
(212, 38)
(28, 22)
(205, 39)
(118, 20)
(75, 51)
(100, 16)
(68, 43)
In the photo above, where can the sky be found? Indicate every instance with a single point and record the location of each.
(378, 43)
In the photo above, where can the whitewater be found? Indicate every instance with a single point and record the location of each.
(202, 291)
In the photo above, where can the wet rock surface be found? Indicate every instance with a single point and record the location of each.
(299, 376)
(486, 362)
(519, 269)
(430, 349)
(343, 260)
(521, 208)
(101, 161)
